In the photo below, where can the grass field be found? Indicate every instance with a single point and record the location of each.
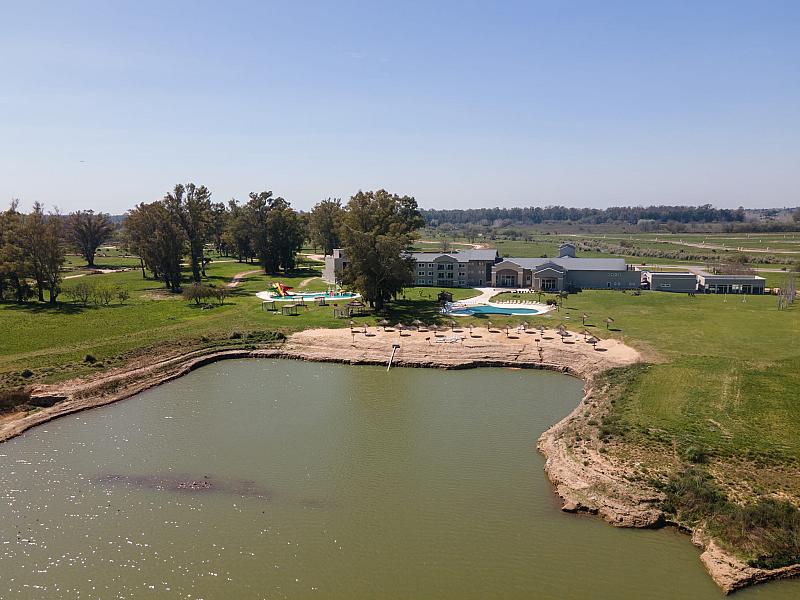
(723, 373)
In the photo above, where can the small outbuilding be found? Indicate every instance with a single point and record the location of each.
(731, 284)
(671, 281)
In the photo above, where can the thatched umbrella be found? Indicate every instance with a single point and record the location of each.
(383, 323)
(593, 341)
(609, 321)
(508, 326)
(452, 324)
(584, 316)
(586, 334)
(488, 325)
(352, 324)
(417, 323)
(400, 327)
(541, 328)
(525, 325)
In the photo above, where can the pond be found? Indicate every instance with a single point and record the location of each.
(283, 479)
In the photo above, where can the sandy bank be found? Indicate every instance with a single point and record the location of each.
(586, 479)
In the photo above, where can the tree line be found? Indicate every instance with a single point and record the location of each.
(33, 248)
(533, 215)
(375, 229)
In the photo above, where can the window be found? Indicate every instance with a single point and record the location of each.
(430, 273)
(421, 273)
(664, 285)
(440, 267)
(449, 275)
(449, 266)
(430, 265)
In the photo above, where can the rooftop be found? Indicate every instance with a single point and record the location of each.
(461, 255)
(572, 264)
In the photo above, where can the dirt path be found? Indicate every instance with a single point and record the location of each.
(305, 282)
(239, 276)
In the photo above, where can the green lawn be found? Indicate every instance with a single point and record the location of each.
(734, 362)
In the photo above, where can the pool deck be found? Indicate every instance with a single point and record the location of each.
(487, 293)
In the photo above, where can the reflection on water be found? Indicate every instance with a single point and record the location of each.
(280, 479)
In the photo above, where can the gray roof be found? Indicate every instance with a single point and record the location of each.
(741, 277)
(461, 255)
(572, 264)
(671, 274)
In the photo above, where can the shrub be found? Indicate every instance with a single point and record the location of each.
(122, 295)
(220, 294)
(81, 292)
(103, 294)
(27, 373)
(11, 399)
(89, 358)
(766, 532)
(697, 456)
(198, 293)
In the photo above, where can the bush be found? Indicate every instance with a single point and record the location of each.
(11, 399)
(103, 294)
(81, 292)
(122, 295)
(27, 373)
(766, 532)
(198, 293)
(89, 358)
(697, 456)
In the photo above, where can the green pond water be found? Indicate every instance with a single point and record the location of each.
(282, 479)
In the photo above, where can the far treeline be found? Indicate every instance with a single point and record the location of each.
(185, 226)
(646, 217)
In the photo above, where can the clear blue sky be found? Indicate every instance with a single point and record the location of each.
(461, 104)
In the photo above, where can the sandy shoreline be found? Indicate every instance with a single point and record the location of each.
(586, 479)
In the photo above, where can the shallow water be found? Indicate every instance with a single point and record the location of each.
(282, 479)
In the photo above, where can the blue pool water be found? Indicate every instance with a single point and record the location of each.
(482, 309)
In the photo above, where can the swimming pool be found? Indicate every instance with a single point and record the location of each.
(485, 309)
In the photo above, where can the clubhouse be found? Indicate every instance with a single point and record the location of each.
(485, 268)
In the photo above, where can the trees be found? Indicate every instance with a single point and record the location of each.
(42, 242)
(86, 231)
(158, 240)
(377, 229)
(236, 236)
(190, 207)
(324, 222)
(14, 264)
(274, 230)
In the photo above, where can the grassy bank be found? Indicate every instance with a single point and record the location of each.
(721, 379)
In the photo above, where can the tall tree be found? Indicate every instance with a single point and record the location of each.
(324, 222)
(191, 208)
(219, 218)
(276, 233)
(237, 232)
(159, 241)
(285, 234)
(378, 228)
(14, 265)
(87, 231)
(42, 242)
